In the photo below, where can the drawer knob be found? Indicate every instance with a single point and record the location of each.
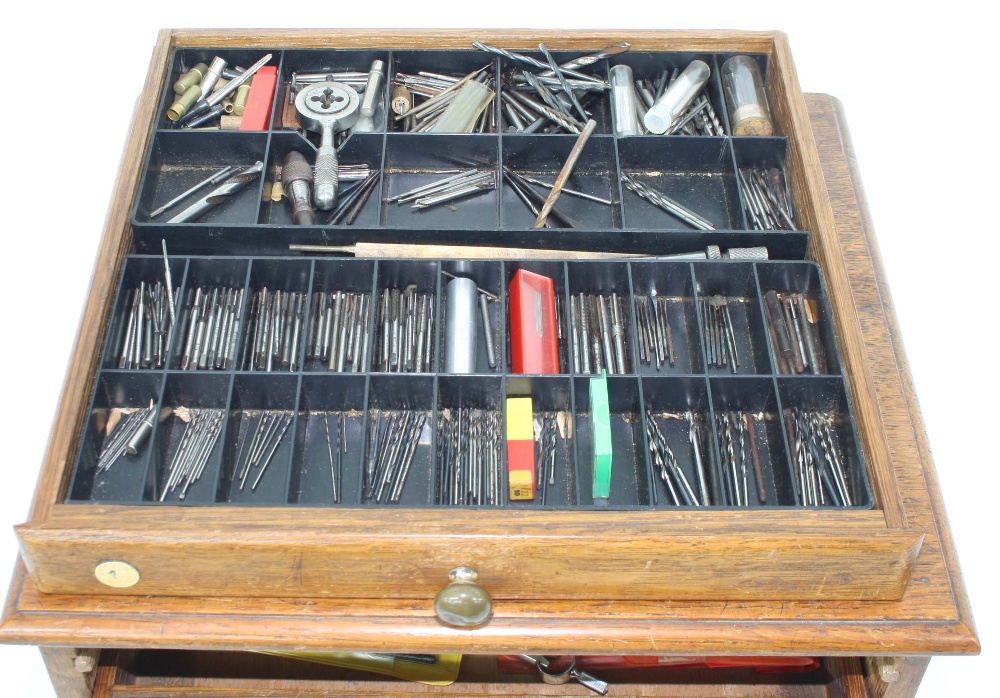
(463, 603)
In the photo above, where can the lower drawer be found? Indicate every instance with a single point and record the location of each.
(195, 674)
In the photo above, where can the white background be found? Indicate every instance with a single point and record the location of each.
(918, 85)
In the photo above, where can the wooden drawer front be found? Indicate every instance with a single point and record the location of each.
(162, 673)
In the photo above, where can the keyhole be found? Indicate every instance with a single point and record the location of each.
(328, 98)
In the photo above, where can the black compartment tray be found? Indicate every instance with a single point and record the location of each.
(300, 471)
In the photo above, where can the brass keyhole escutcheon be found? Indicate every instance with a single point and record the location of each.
(463, 603)
(117, 574)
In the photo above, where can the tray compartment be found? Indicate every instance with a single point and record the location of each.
(552, 399)
(259, 439)
(595, 104)
(735, 283)
(818, 394)
(557, 272)
(415, 160)
(762, 153)
(647, 65)
(186, 58)
(542, 157)
(350, 276)
(672, 281)
(487, 276)
(207, 274)
(358, 149)
(136, 270)
(444, 62)
(292, 278)
(605, 281)
(284, 115)
(470, 465)
(630, 484)
(415, 397)
(123, 480)
(697, 173)
(209, 395)
(327, 397)
(754, 396)
(763, 63)
(803, 278)
(423, 279)
(177, 161)
(675, 404)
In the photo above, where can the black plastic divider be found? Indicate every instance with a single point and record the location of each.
(669, 399)
(405, 392)
(186, 58)
(555, 271)
(137, 269)
(345, 275)
(828, 395)
(327, 61)
(251, 396)
(649, 65)
(604, 280)
(122, 482)
(697, 173)
(674, 281)
(756, 395)
(736, 282)
(804, 278)
(541, 157)
(487, 276)
(598, 107)
(630, 485)
(206, 272)
(177, 161)
(552, 395)
(194, 392)
(315, 460)
(285, 275)
(414, 160)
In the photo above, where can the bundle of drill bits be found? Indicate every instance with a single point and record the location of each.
(792, 322)
(128, 435)
(600, 327)
(275, 331)
(449, 104)
(392, 443)
(820, 477)
(227, 181)
(148, 328)
(665, 203)
(737, 434)
(268, 432)
(529, 190)
(404, 331)
(668, 470)
(470, 464)
(765, 198)
(547, 101)
(454, 186)
(201, 433)
(338, 330)
(549, 429)
(336, 463)
(717, 333)
(211, 323)
(656, 340)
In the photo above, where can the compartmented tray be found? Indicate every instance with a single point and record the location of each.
(301, 467)
(700, 172)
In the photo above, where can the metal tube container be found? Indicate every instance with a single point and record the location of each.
(745, 98)
(672, 104)
(623, 110)
(460, 330)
